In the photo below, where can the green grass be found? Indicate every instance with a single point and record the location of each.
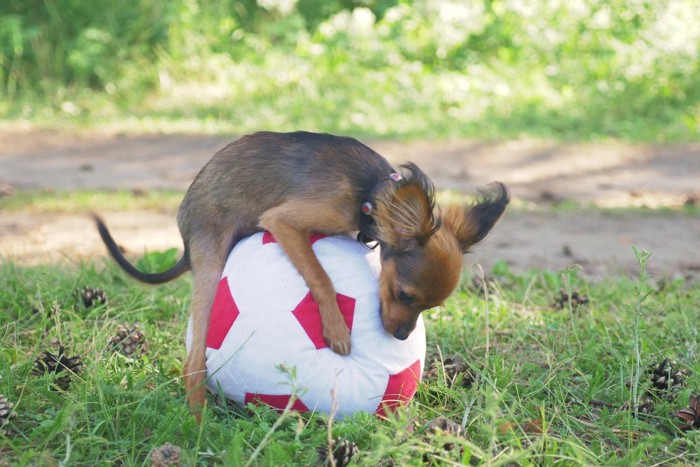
(550, 385)
(410, 68)
(80, 201)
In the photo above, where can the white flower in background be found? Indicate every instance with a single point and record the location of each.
(601, 19)
(363, 19)
(283, 6)
(577, 9)
(673, 38)
(523, 8)
(455, 21)
(677, 29)
(359, 22)
(397, 13)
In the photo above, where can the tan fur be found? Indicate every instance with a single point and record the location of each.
(405, 212)
(403, 216)
(291, 223)
(457, 222)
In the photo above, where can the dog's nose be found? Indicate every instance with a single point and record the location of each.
(401, 334)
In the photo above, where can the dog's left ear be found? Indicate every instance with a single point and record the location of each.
(470, 224)
(405, 212)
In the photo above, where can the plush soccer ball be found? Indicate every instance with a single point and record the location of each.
(264, 319)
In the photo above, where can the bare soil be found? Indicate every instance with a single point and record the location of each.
(599, 242)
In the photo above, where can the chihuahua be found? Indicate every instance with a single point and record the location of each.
(293, 184)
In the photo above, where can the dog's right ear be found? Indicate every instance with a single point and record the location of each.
(405, 215)
(470, 224)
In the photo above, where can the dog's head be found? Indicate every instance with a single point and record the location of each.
(422, 247)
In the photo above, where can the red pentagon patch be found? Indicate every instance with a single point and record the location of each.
(269, 238)
(224, 312)
(400, 388)
(306, 312)
(278, 402)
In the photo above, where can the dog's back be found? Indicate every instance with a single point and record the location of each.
(260, 171)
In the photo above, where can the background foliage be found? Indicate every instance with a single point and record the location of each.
(590, 68)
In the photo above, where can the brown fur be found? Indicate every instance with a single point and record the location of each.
(405, 212)
(296, 183)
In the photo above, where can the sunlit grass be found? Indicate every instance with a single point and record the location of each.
(551, 378)
(490, 70)
(77, 201)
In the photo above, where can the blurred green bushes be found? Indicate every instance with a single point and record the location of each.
(493, 68)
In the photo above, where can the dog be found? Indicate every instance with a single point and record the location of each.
(293, 184)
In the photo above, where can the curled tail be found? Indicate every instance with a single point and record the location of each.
(182, 265)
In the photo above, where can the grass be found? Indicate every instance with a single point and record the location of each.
(78, 201)
(384, 68)
(552, 379)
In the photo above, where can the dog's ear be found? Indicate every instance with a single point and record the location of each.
(470, 224)
(405, 212)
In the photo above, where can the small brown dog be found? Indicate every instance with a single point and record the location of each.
(296, 183)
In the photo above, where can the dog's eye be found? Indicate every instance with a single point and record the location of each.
(405, 298)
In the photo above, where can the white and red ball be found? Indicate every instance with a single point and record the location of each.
(263, 317)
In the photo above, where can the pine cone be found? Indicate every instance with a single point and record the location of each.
(445, 426)
(691, 414)
(52, 310)
(91, 296)
(6, 413)
(165, 456)
(130, 341)
(342, 449)
(577, 300)
(454, 368)
(58, 364)
(387, 462)
(646, 405)
(667, 375)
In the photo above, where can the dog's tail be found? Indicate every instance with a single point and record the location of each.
(182, 265)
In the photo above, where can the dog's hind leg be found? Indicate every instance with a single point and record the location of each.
(207, 261)
(208, 255)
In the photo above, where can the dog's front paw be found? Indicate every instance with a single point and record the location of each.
(337, 336)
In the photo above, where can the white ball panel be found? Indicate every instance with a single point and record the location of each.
(266, 288)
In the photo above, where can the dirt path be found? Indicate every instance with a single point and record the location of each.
(605, 174)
